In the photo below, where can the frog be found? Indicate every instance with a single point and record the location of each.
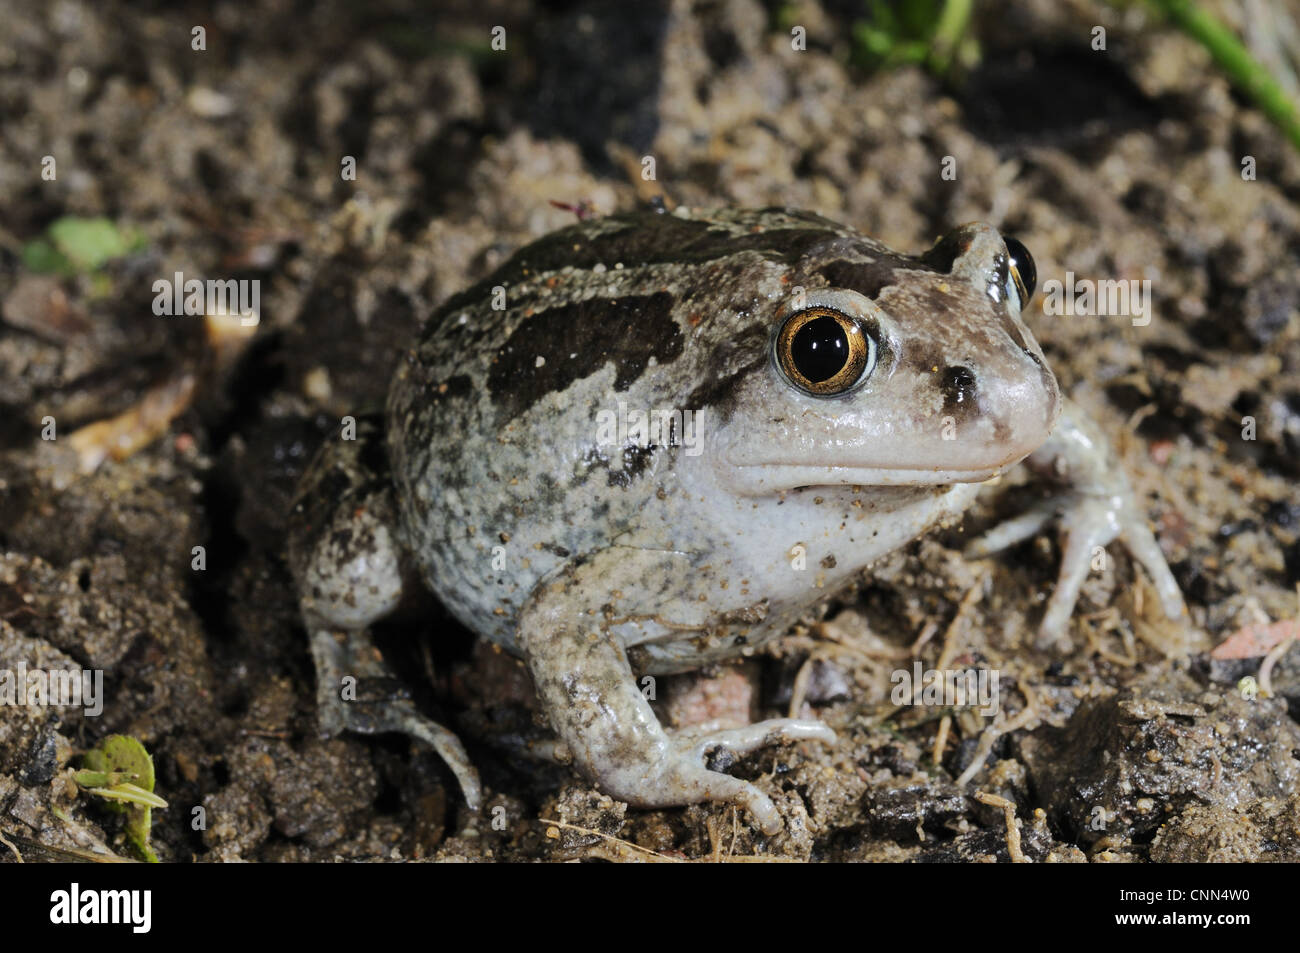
(819, 401)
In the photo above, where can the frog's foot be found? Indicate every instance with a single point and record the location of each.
(1098, 509)
(687, 778)
(586, 686)
(677, 772)
(1088, 523)
(356, 692)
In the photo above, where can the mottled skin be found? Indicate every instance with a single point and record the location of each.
(597, 562)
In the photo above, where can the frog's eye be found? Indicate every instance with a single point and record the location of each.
(1023, 274)
(823, 352)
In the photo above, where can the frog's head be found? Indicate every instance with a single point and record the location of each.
(895, 370)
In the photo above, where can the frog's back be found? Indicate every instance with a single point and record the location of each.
(500, 466)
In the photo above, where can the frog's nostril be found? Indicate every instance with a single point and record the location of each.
(958, 385)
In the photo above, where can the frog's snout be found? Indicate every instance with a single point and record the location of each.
(1020, 411)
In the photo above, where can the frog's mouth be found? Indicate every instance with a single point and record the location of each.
(761, 479)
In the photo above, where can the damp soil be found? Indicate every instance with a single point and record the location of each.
(1135, 744)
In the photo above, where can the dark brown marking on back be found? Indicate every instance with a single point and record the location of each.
(869, 278)
(947, 250)
(574, 341)
(745, 354)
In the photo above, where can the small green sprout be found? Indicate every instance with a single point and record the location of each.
(120, 770)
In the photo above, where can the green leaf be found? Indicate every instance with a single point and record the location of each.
(79, 245)
(125, 791)
(90, 242)
(42, 257)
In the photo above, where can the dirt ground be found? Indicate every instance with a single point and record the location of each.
(1135, 745)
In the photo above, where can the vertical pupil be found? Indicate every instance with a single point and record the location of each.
(820, 349)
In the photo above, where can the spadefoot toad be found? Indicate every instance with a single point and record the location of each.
(651, 441)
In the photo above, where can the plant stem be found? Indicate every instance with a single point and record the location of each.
(1235, 60)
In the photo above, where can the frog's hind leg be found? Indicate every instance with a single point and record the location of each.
(348, 561)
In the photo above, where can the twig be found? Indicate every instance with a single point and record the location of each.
(800, 688)
(995, 731)
(1275, 655)
(949, 636)
(1013, 830)
(8, 843)
(941, 739)
(927, 633)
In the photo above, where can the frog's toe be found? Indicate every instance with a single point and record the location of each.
(759, 805)
(452, 752)
(1141, 543)
(743, 741)
(1012, 531)
(1086, 527)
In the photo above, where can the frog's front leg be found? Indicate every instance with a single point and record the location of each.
(582, 676)
(347, 557)
(1096, 508)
